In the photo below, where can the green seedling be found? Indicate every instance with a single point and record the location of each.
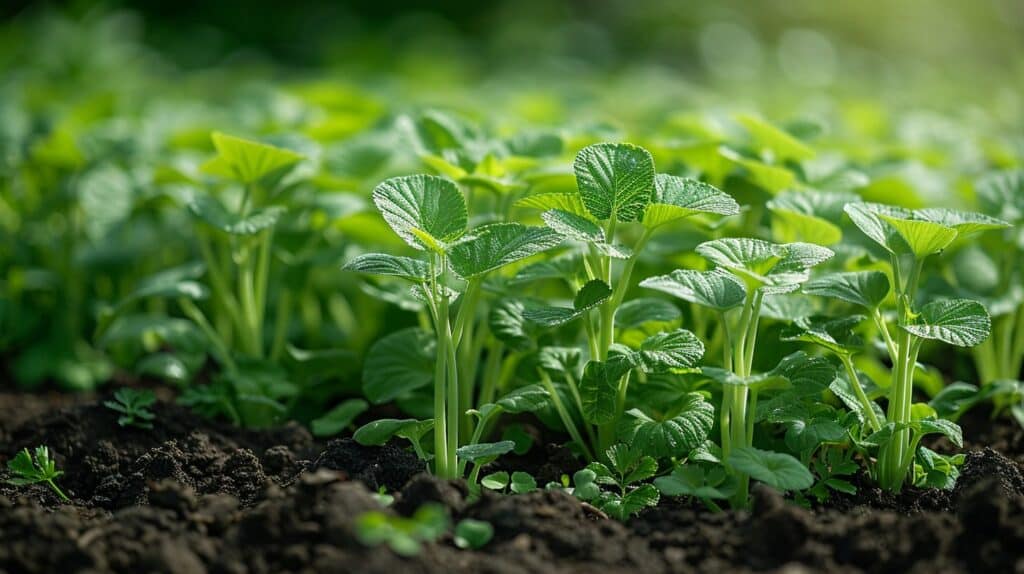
(133, 404)
(32, 469)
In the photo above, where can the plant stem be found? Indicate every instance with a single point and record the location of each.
(219, 348)
(858, 390)
(56, 489)
(564, 414)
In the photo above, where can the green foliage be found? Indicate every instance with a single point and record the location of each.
(26, 468)
(404, 536)
(133, 404)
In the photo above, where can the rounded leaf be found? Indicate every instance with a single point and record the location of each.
(498, 245)
(422, 209)
(865, 288)
(775, 469)
(714, 289)
(960, 322)
(615, 180)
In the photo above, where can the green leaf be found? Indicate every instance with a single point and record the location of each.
(636, 313)
(960, 322)
(398, 363)
(210, 210)
(964, 222)
(804, 436)
(390, 265)
(633, 502)
(572, 226)
(495, 481)
(678, 349)
(338, 418)
(775, 469)
(693, 480)
(525, 399)
(424, 210)
(1001, 194)
(714, 289)
(474, 534)
(559, 359)
(585, 484)
(676, 198)
(497, 245)
(865, 288)
(834, 334)
(792, 226)
(631, 463)
(523, 483)
(781, 144)
(248, 161)
(599, 388)
(589, 296)
(949, 429)
(676, 436)
(23, 466)
(509, 324)
(924, 238)
(567, 202)
(485, 451)
(380, 431)
(747, 257)
(615, 180)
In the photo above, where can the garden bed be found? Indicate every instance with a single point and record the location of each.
(191, 495)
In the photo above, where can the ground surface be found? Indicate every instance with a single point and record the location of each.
(191, 496)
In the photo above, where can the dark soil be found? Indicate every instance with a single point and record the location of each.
(193, 496)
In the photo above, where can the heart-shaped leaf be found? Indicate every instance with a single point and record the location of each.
(678, 197)
(678, 349)
(589, 296)
(390, 265)
(713, 289)
(675, 436)
(400, 362)
(424, 210)
(497, 245)
(865, 288)
(775, 469)
(615, 180)
(960, 322)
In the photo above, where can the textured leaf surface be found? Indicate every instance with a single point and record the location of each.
(678, 197)
(485, 450)
(960, 322)
(599, 387)
(589, 296)
(673, 437)
(615, 180)
(400, 362)
(714, 289)
(776, 469)
(865, 288)
(498, 245)
(391, 265)
(678, 349)
(431, 205)
(573, 226)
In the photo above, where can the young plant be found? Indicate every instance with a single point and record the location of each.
(518, 482)
(133, 404)
(430, 215)
(28, 469)
(618, 193)
(747, 271)
(404, 536)
(629, 468)
(907, 239)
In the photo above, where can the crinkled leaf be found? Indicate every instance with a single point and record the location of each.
(599, 388)
(676, 436)
(390, 265)
(398, 363)
(424, 210)
(835, 334)
(775, 469)
(572, 226)
(865, 288)
(567, 202)
(960, 322)
(525, 399)
(636, 313)
(676, 198)
(509, 325)
(497, 245)
(589, 296)
(714, 289)
(678, 349)
(615, 180)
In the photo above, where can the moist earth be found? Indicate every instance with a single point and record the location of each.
(195, 496)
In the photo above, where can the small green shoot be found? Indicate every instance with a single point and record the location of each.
(133, 404)
(33, 470)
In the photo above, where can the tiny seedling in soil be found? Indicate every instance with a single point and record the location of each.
(133, 404)
(28, 469)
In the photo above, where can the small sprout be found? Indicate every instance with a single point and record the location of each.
(42, 469)
(133, 404)
(382, 497)
(523, 483)
(628, 468)
(520, 482)
(403, 535)
(473, 534)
